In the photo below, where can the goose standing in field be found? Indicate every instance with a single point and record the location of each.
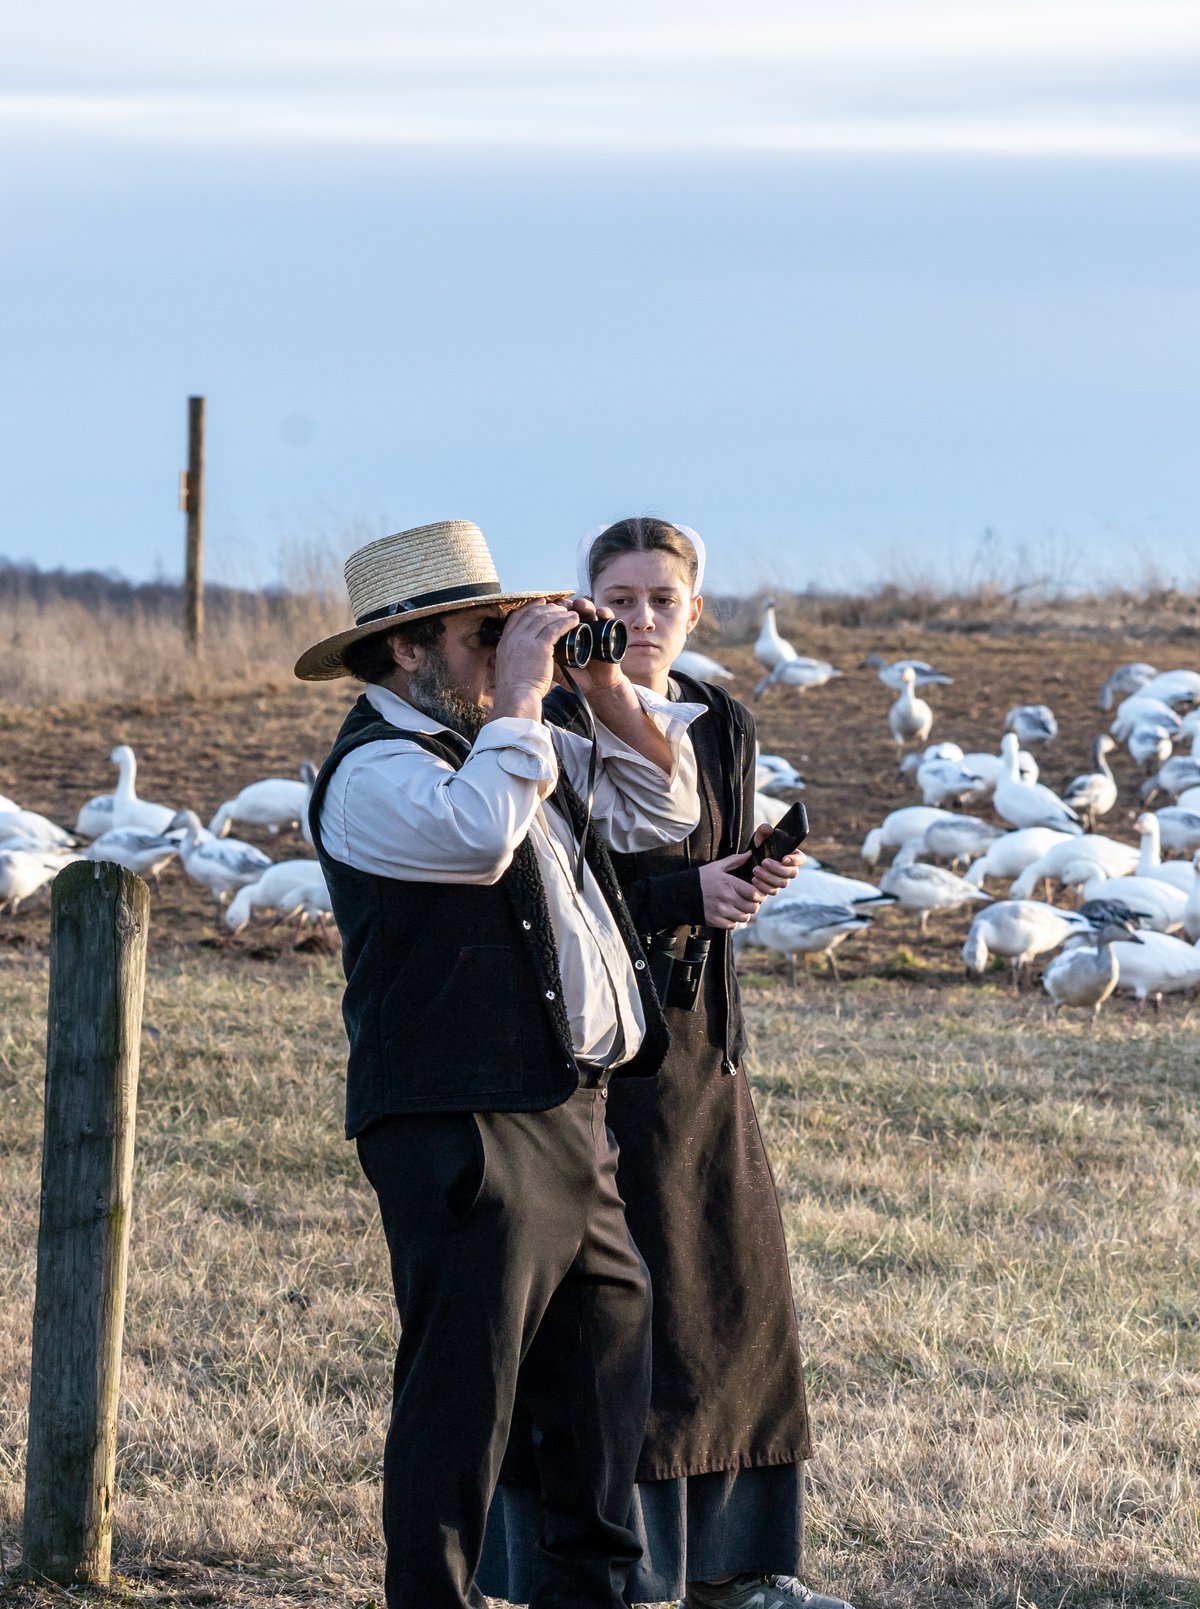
(26, 829)
(1029, 804)
(1162, 903)
(145, 853)
(1094, 849)
(991, 767)
(1009, 855)
(897, 828)
(774, 774)
(1086, 973)
(1033, 723)
(800, 927)
(1158, 964)
(815, 883)
(1178, 688)
(1141, 711)
(1149, 746)
(949, 782)
(1150, 862)
(910, 719)
(1175, 776)
(893, 675)
(274, 803)
(222, 865)
(1124, 680)
(701, 667)
(24, 871)
(1179, 829)
(128, 809)
(1095, 792)
(922, 888)
(1020, 930)
(278, 889)
(770, 649)
(796, 672)
(959, 840)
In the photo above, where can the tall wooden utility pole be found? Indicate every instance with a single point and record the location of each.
(98, 922)
(193, 506)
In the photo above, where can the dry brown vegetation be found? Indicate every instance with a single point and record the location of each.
(994, 1220)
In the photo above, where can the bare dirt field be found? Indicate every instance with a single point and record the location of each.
(993, 1218)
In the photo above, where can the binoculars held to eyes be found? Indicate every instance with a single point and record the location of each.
(605, 640)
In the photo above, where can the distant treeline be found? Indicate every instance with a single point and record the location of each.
(111, 591)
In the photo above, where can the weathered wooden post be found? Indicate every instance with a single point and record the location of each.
(98, 925)
(193, 506)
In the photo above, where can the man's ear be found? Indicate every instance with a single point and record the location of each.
(406, 654)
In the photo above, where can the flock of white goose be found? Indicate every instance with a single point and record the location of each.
(147, 838)
(1137, 925)
(1138, 921)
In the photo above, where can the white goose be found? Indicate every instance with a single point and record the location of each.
(1179, 829)
(1008, 856)
(910, 719)
(1020, 930)
(700, 667)
(923, 888)
(274, 803)
(1150, 862)
(770, 649)
(95, 817)
(1139, 710)
(1029, 804)
(1162, 903)
(1191, 911)
(897, 828)
(800, 927)
(128, 809)
(145, 853)
(774, 774)
(1095, 792)
(959, 840)
(893, 675)
(1117, 859)
(24, 871)
(1033, 723)
(222, 865)
(25, 829)
(278, 889)
(949, 782)
(814, 883)
(797, 672)
(1085, 974)
(1159, 964)
(7, 805)
(1189, 799)
(991, 767)
(1176, 776)
(1126, 679)
(1179, 688)
(1149, 746)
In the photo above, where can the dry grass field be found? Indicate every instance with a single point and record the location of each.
(994, 1219)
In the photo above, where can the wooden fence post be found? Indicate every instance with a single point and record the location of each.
(193, 503)
(98, 928)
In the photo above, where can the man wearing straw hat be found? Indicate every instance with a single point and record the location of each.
(494, 984)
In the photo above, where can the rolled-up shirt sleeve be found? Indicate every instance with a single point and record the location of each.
(637, 806)
(395, 809)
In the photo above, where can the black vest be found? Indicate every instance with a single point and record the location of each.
(453, 996)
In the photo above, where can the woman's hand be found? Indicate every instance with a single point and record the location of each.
(728, 901)
(772, 875)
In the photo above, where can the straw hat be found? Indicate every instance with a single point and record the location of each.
(427, 571)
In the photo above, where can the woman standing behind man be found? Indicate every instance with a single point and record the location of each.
(719, 1506)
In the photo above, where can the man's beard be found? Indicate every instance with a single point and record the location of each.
(430, 689)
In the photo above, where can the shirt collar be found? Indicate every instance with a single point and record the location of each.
(399, 712)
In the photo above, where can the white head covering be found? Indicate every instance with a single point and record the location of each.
(583, 556)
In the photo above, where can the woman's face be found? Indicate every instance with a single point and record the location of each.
(650, 593)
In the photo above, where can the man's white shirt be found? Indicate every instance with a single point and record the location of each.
(394, 809)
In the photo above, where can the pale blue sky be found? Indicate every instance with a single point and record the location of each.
(843, 287)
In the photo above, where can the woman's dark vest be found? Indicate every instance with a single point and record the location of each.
(453, 998)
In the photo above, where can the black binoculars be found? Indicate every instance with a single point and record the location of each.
(678, 976)
(605, 640)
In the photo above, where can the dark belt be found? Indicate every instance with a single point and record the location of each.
(591, 1074)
